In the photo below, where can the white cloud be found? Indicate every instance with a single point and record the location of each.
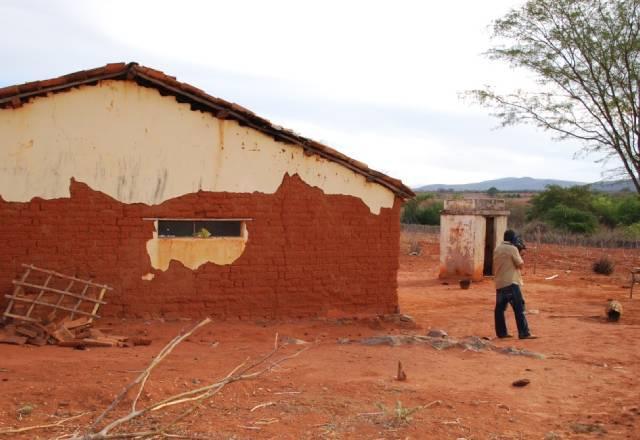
(378, 80)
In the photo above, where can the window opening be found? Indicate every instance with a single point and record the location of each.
(199, 228)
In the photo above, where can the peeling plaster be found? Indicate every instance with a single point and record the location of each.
(135, 145)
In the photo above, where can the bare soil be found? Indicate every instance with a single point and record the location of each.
(586, 387)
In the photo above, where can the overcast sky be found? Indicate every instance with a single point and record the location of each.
(377, 80)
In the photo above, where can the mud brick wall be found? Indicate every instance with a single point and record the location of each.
(308, 254)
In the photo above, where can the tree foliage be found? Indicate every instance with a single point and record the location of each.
(572, 219)
(423, 209)
(578, 197)
(585, 56)
(579, 209)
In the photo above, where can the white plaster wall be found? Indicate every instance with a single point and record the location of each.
(457, 237)
(479, 240)
(462, 239)
(135, 145)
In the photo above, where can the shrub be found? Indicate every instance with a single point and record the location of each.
(604, 266)
(604, 207)
(577, 197)
(400, 415)
(518, 216)
(529, 230)
(423, 210)
(628, 210)
(572, 219)
(430, 215)
(632, 231)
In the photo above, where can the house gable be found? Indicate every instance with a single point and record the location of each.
(135, 145)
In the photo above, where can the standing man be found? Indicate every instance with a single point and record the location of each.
(507, 263)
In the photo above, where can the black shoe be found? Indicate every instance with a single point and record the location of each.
(505, 336)
(528, 337)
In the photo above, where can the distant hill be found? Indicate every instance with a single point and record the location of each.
(504, 184)
(613, 186)
(525, 184)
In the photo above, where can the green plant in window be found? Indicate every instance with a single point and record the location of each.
(202, 233)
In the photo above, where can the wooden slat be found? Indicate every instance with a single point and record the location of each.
(8, 311)
(61, 298)
(55, 306)
(61, 292)
(97, 304)
(66, 277)
(24, 318)
(79, 302)
(42, 291)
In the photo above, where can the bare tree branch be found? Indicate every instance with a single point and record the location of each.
(193, 398)
(585, 55)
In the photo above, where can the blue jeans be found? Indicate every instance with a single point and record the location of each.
(510, 295)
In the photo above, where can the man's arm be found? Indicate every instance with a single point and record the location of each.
(517, 259)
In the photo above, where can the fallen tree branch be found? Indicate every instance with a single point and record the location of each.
(142, 378)
(31, 428)
(195, 397)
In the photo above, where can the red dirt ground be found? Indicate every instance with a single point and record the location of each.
(586, 387)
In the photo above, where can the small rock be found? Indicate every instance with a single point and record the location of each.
(584, 428)
(382, 340)
(375, 323)
(613, 310)
(24, 411)
(437, 333)
(552, 436)
(521, 383)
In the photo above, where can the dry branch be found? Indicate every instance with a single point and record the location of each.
(262, 405)
(31, 428)
(194, 398)
(142, 378)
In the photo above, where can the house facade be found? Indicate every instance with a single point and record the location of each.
(188, 205)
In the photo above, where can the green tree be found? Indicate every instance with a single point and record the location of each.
(585, 56)
(430, 214)
(628, 210)
(605, 208)
(572, 219)
(423, 209)
(492, 191)
(577, 197)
